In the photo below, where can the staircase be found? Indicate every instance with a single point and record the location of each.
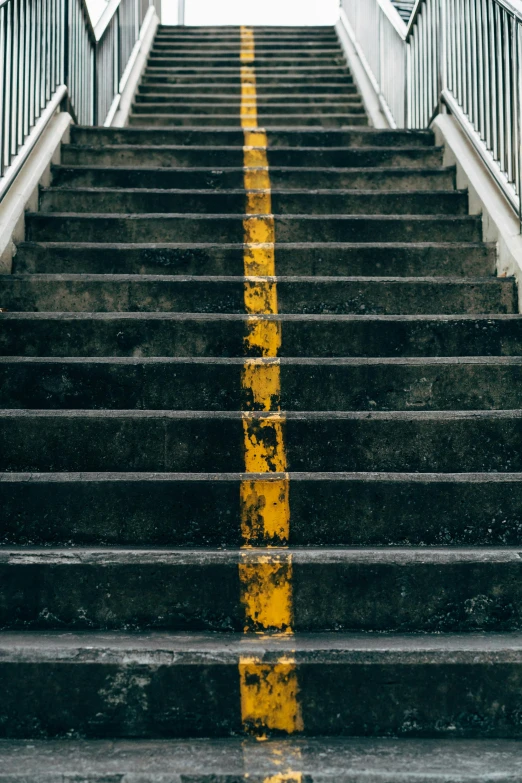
(262, 464)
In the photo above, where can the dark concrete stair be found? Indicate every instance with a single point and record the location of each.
(124, 349)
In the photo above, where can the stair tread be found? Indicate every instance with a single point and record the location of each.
(343, 759)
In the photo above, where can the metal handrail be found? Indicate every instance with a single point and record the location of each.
(49, 48)
(461, 56)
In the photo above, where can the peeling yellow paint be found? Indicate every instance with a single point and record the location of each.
(266, 594)
(259, 230)
(256, 179)
(261, 384)
(259, 259)
(269, 694)
(263, 337)
(260, 296)
(269, 691)
(247, 53)
(258, 202)
(264, 443)
(265, 512)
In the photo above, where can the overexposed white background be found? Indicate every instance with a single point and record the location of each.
(264, 12)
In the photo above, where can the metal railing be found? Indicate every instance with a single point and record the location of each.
(456, 55)
(50, 54)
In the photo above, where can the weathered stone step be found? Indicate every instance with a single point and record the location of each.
(234, 137)
(333, 258)
(89, 227)
(204, 441)
(337, 295)
(228, 760)
(180, 334)
(375, 179)
(448, 590)
(264, 48)
(330, 120)
(188, 156)
(179, 685)
(460, 383)
(199, 509)
(263, 59)
(150, 102)
(150, 105)
(318, 201)
(171, 95)
(268, 69)
(266, 79)
(264, 91)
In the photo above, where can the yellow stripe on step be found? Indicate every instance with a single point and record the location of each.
(269, 691)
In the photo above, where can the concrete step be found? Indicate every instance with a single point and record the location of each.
(267, 79)
(327, 258)
(318, 760)
(164, 102)
(290, 90)
(207, 441)
(330, 120)
(178, 685)
(278, 59)
(337, 295)
(289, 178)
(203, 510)
(150, 105)
(264, 49)
(200, 334)
(234, 137)
(453, 383)
(92, 227)
(451, 590)
(268, 69)
(292, 202)
(172, 95)
(226, 156)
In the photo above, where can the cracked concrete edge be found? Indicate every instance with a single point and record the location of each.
(147, 36)
(369, 95)
(499, 221)
(23, 193)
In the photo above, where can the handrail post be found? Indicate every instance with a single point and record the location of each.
(66, 52)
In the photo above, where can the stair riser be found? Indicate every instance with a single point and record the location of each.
(148, 336)
(278, 59)
(208, 156)
(114, 202)
(268, 120)
(102, 137)
(159, 95)
(335, 297)
(156, 442)
(404, 180)
(276, 91)
(412, 511)
(61, 227)
(191, 386)
(153, 105)
(149, 699)
(206, 594)
(263, 47)
(264, 80)
(414, 260)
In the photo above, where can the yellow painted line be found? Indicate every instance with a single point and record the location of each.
(269, 697)
(269, 691)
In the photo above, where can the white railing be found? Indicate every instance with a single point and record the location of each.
(458, 55)
(50, 54)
